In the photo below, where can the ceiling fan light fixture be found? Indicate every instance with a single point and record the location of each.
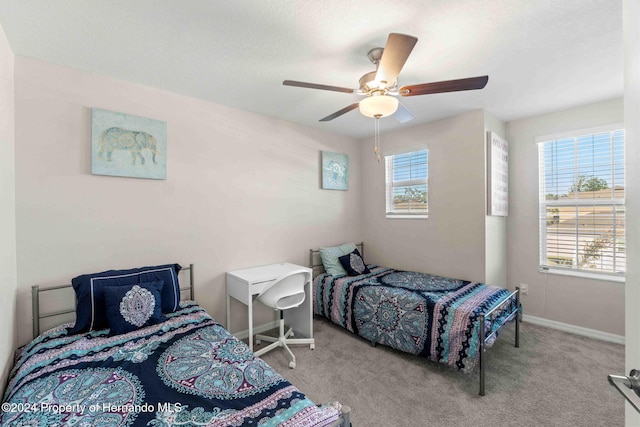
(378, 106)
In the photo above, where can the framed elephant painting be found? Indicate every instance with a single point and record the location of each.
(126, 145)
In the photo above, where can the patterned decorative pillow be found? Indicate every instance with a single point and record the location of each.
(90, 311)
(354, 264)
(133, 307)
(330, 257)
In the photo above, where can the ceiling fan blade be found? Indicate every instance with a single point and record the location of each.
(403, 114)
(340, 112)
(395, 54)
(470, 83)
(317, 86)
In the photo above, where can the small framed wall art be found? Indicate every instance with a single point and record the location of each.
(335, 171)
(126, 145)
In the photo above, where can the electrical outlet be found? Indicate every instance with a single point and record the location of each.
(524, 288)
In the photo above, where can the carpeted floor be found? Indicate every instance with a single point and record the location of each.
(553, 379)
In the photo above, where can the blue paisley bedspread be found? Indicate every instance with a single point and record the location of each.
(188, 371)
(418, 313)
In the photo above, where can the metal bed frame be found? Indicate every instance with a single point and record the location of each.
(36, 290)
(315, 263)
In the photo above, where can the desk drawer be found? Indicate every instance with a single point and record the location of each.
(258, 287)
(242, 291)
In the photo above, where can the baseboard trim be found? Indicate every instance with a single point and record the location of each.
(241, 335)
(578, 330)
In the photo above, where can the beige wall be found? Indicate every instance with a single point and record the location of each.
(459, 240)
(242, 190)
(495, 226)
(587, 303)
(8, 283)
(452, 241)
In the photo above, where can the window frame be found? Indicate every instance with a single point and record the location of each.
(577, 203)
(390, 185)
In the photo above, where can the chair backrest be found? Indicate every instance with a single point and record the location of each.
(287, 291)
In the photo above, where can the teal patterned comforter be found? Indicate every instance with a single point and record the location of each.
(186, 371)
(418, 313)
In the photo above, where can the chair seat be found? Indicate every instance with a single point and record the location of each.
(290, 301)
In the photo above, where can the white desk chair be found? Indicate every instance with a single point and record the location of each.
(285, 293)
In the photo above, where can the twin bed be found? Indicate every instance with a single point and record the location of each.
(434, 317)
(145, 358)
(138, 356)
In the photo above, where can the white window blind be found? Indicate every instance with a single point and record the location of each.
(582, 203)
(406, 184)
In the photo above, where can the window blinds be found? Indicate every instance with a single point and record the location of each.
(406, 184)
(582, 203)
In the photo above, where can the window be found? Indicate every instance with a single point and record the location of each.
(406, 185)
(582, 203)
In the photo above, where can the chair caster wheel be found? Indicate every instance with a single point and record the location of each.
(292, 364)
(258, 342)
(312, 346)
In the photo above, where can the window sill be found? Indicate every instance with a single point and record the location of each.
(407, 216)
(584, 275)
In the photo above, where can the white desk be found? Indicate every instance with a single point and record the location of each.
(244, 285)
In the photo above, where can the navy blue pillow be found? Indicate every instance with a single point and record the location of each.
(133, 307)
(89, 288)
(354, 264)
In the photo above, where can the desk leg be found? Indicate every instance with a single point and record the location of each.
(250, 317)
(301, 317)
(228, 313)
(301, 320)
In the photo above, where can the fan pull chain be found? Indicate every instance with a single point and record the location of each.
(376, 137)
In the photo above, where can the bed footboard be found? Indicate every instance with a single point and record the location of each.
(508, 309)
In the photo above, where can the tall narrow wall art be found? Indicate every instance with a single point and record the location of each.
(497, 175)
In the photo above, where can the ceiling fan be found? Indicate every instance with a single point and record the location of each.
(381, 86)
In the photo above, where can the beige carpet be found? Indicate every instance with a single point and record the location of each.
(553, 379)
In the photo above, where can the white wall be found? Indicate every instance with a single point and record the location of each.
(8, 283)
(632, 156)
(242, 190)
(592, 304)
(451, 242)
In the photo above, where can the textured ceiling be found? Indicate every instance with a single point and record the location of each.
(540, 55)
